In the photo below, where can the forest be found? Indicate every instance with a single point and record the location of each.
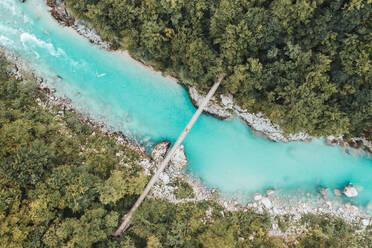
(306, 64)
(62, 185)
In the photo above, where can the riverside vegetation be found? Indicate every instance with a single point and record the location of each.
(62, 186)
(305, 64)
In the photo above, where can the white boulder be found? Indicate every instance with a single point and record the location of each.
(365, 222)
(267, 203)
(257, 196)
(350, 191)
(159, 151)
(227, 101)
(179, 160)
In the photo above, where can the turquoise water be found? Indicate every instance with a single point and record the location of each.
(149, 108)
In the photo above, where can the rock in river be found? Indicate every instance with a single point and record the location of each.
(159, 151)
(350, 191)
(178, 161)
(257, 196)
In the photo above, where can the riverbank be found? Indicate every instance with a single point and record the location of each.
(64, 17)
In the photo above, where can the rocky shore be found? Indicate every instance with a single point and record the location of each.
(352, 145)
(275, 203)
(65, 17)
(224, 108)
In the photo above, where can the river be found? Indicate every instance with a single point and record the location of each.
(148, 108)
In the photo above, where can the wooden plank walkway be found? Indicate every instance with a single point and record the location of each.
(126, 219)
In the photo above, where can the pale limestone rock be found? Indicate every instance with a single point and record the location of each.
(330, 140)
(270, 192)
(179, 160)
(212, 107)
(208, 212)
(227, 101)
(350, 191)
(365, 222)
(267, 203)
(164, 178)
(91, 34)
(159, 151)
(257, 196)
(146, 164)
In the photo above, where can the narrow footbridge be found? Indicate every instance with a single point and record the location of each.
(126, 219)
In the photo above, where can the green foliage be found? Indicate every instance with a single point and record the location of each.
(305, 64)
(119, 184)
(184, 190)
(3, 64)
(331, 232)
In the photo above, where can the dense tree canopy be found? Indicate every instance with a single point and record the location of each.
(62, 186)
(306, 64)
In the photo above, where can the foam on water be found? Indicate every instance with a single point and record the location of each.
(149, 108)
(30, 39)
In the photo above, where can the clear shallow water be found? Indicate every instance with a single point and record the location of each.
(150, 108)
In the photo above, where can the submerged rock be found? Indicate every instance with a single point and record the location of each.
(337, 192)
(323, 191)
(270, 192)
(58, 78)
(350, 191)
